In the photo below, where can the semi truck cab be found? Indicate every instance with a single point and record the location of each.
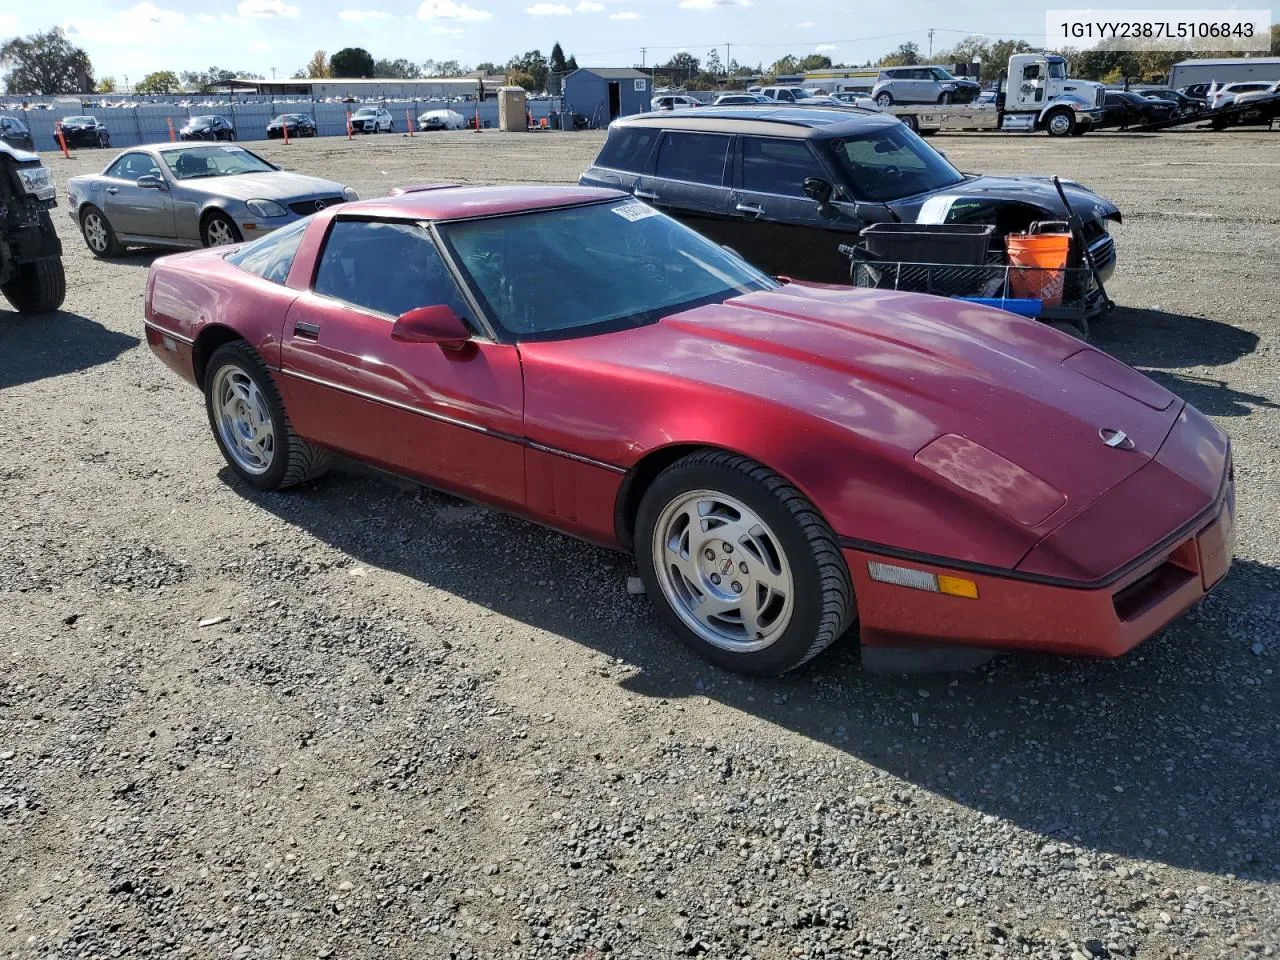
(1040, 95)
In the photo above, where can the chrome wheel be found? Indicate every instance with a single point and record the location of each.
(884, 100)
(219, 233)
(723, 571)
(95, 232)
(243, 420)
(1059, 124)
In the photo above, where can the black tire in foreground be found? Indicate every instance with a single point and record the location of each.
(290, 460)
(36, 287)
(778, 554)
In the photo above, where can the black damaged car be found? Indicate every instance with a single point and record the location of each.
(296, 124)
(785, 186)
(85, 132)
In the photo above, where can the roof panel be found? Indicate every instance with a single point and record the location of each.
(457, 203)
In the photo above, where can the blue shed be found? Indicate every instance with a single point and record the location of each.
(602, 94)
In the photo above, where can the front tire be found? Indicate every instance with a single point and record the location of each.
(250, 426)
(36, 287)
(740, 565)
(1059, 123)
(945, 98)
(98, 235)
(884, 99)
(219, 230)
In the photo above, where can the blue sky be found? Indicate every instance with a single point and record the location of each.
(133, 37)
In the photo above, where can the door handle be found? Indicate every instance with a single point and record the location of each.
(750, 208)
(644, 194)
(307, 331)
(113, 190)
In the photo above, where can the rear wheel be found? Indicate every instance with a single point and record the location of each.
(250, 425)
(911, 122)
(740, 565)
(36, 287)
(98, 235)
(219, 230)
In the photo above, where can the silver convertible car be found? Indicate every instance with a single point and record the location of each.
(192, 195)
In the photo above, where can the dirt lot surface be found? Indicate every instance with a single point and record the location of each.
(362, 720)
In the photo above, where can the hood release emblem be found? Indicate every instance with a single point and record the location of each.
(1116, 439)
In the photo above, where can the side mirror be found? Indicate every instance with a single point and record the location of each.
(435, 324)
(818, 190)
(151, 182)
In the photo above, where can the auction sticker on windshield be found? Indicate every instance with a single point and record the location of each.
(634, 211)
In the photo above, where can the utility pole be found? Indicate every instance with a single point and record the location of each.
(643, 51)
(931, 43)
(727, 58)
(273, 73)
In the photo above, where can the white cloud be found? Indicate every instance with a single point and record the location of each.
(625, 15)
(548, 10)
(589, 6)
(358, 16)
(149, 13)
(266, 9)
(825, 48)
(805, 24)
(449, 10)
(8, 23)
(712, 4)
(440, 31)
(259, 46)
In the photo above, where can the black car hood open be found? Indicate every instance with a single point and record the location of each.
(990, 192)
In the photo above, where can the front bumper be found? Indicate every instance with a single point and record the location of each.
(1015, 614)
(1088, 116)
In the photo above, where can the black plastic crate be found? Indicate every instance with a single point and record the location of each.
(961, 244)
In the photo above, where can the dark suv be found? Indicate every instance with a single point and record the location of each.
(784, 186)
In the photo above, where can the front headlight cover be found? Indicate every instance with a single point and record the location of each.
(37, 181)
(266, 208)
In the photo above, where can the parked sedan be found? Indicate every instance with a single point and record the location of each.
(15, 133)
(785, 461)
(1125, 109)
(442, 120)
(296, 124)
(740, 99)
(785, 185)
(208, 127)
(85, 132)
(179, 195)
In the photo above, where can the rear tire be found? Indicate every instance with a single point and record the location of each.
(36, 287)
(98, 235)
(250, 426)
(758, 552)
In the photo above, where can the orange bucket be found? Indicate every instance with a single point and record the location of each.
(1047, 252)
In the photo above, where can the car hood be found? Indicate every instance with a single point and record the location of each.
(22, 156)
(1037, 191)
(274, 185)
(1021, 408)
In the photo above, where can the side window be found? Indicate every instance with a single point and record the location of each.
(389, 268)
(628, 148)
(696, 157)
(131, 166)
(776, 166)
(272, 256)
(1031, 71)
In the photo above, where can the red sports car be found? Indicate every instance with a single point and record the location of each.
(784, 460)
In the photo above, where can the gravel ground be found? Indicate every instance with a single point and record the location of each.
(364, 720)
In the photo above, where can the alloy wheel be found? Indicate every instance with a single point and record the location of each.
(723, 571)
(218, 233)
(243, 420)
(95, 233)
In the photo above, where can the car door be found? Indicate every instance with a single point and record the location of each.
(453, 418)
(690, 181)
(782, 230)
(134, 210)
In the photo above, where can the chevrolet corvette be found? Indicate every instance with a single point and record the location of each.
(785, 461)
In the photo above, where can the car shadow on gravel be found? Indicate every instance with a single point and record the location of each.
(1158, 339)
(36, 346)
(1169, 754)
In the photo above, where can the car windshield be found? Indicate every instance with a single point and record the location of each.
(889, 163)
(366, 112)
(1057, 70)
(940, 74)
(78, 120)
(202, 121)
(221, 161)
(591, 269)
